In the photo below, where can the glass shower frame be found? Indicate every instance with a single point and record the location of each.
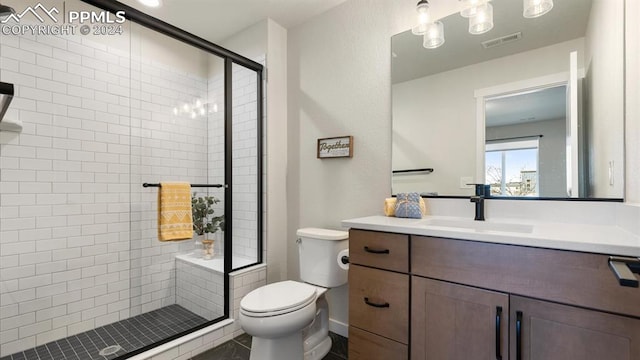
(230, 58)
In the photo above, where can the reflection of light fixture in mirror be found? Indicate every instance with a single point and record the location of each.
(470, 7)
(215, 108)
(535, 8)
(423, 18)
(434, 37)
(151, 3)
(482, 21)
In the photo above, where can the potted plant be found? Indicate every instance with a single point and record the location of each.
(204, 222)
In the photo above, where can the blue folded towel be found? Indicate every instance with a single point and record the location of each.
(408, 205)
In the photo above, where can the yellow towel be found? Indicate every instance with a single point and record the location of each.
(174, 211)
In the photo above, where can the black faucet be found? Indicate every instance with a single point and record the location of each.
(482, 191)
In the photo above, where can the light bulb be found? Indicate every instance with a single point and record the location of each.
(175, 111)
(185, 107)
(193, 114)
(535, 8)
(215, 108)
(202, 112)
(198, 103)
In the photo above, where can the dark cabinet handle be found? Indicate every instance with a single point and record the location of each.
(373, 251)
(366, 301)
(498, 316)
(519, 335)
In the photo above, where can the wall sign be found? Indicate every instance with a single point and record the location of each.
(336, 147)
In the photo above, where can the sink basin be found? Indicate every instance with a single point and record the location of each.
(480, 225)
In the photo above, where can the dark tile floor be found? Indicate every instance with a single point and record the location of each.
(239, 349)
(116, 339)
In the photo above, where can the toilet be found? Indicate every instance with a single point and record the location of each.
(289, 320)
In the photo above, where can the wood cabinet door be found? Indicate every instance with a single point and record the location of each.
(543, 330)
(455, 322)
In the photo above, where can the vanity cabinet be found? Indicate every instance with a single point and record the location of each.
(542, 330)
(480, 300)
(450, 321)
(378, 296)
(573, 318)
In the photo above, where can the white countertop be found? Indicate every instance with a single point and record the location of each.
(602, 239)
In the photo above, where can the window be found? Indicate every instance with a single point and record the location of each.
(511, 167)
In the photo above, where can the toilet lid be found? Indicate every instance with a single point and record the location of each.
(278, 296)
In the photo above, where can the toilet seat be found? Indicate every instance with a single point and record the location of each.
(278, 298)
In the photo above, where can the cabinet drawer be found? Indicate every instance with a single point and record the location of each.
(379, 302)
(364, 345)
(380, 250)
(568, 277)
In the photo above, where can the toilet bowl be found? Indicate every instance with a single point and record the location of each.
(289, 320)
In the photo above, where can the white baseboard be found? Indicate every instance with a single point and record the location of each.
(338, 327)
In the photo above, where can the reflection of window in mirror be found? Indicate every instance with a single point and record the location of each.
(528, 111)
(511, 167)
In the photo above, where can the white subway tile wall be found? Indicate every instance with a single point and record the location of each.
(245, 161)
(78, 235)
(199, 290)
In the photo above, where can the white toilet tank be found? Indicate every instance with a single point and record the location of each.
(318, 253)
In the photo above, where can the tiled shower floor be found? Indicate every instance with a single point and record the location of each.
(131, 334)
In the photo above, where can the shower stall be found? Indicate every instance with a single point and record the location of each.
(104, 111)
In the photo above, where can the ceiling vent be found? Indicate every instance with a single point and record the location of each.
(502, 40)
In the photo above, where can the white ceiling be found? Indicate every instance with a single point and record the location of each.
(540, 105)
(216, 20)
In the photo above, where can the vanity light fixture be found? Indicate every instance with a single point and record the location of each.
(431, 31)
(151, 3)
(535, 8)
(482, 21)
(479, 12)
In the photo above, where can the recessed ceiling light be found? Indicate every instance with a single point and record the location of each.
(151, 3)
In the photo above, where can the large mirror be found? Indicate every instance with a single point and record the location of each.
(534, 107)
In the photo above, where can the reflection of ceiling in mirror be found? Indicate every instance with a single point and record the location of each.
(532, 106)
(567, 20)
